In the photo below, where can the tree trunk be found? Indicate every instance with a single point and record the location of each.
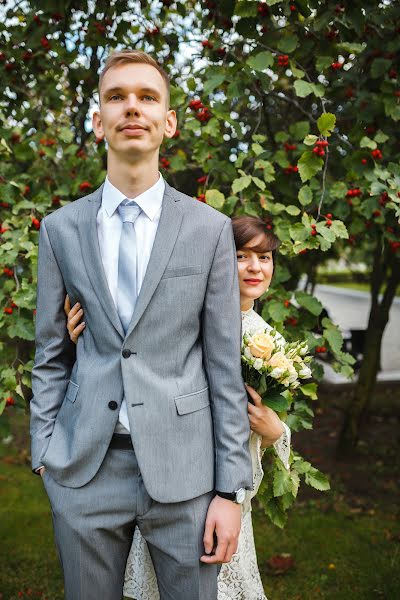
(387, 268)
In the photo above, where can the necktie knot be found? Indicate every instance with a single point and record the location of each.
(129, 212)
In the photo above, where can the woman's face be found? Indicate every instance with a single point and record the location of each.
(255, 271)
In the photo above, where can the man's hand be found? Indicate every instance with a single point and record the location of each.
(223, 520)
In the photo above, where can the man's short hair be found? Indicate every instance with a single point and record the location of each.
(126, 56)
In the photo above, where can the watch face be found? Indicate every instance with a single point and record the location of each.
(240, 495)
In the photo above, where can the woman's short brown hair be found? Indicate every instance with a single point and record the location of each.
(126, 56)
(245, 228)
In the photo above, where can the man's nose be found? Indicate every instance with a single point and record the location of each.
(132, 105)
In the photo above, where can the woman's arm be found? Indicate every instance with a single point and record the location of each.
(263, 420)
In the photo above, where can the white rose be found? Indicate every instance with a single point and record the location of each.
(261, 345)
(277, 372)
(258, 363)
(304, 350)
(305, 372)
(247, 353)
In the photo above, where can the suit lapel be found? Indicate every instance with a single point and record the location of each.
(167, 232)
(92, 258)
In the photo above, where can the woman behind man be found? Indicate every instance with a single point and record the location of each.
(240, 579)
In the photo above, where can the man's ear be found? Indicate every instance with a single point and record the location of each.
(171, 124)
(97, 125)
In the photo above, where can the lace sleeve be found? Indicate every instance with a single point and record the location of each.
(282, 446)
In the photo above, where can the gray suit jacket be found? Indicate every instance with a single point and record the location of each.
(182, 382)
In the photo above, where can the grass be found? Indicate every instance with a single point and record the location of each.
(338, 555)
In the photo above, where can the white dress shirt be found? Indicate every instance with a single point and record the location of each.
(109, 229)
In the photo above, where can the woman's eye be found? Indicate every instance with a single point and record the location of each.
(240, 256)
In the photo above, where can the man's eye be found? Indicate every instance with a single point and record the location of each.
(115, 97)
(148, 97)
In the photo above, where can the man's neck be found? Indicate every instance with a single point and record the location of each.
(132, 179)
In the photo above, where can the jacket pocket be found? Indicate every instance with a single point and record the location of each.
(72, 391)
(182, 271)
(191, 402)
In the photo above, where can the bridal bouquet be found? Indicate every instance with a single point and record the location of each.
(274, 368)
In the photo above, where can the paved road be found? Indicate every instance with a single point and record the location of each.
(350, 309)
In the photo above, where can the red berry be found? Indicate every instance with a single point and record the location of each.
(376, 213)
(85, 185)
(202, 179)
(364, 161)
(328, 222)
(286, 303)
(8, 310)
(201, 197)
(329, 216)
(10, 401)
(376, 154)
(35, 223)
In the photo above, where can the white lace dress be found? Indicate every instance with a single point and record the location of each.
(240, 579)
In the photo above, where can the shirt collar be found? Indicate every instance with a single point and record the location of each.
(149, 201)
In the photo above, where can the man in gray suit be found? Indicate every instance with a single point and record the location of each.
(146, 422)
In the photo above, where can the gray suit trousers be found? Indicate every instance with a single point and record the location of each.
(94, 526)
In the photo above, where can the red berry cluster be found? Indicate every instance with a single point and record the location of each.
(352, 193)
(56, 201)
(262, 9)
(165, 164)
(8, 310)
(376, 213)
(320, 349)
(331, 34)
(291, 169)
(319, 147)
(202, 179)
(207, 44)
(85, 185)
(3, 229)
(203, 113)
(221, 52)
(314, 229)
(196, 104)
(289, 147)
(201, 198)
(336, 65)
(384, 199)
(292, 7)
(283, 60)
(394, 246)
(292, 321)
(10, 400)
(35, 223)
(8, 272)
(376, 154)
(47, 142)
(152, 32)
(100, 27)
(5, 204)
(286, 303)
(44, 42)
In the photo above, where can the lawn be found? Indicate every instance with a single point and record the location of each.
(344, 546)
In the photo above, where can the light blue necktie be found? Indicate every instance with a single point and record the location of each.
(127, 263)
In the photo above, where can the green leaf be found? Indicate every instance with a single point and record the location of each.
(277, 310)
(277, 402)
(215, 199)
(310, 390)
(293, 210)
(303, 88)
(317, 480)
(257, 149)
(326, 123)
(351, 47)
(299, 130)
(366, 142)
(298, 73)
(305, 195)
(2, 406)
(381, 138)
(310, 140)
(332, 335)
(282, 482)
(323, 62)
(241, 183)
(310, 303)
(213, 82)
(339, 229)
(259, 183)
(288, 43)
(261, 61)
(22, 328)
(267, 168)
(309, 164)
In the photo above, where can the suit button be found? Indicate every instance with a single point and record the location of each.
(126, 353)
(112, 405)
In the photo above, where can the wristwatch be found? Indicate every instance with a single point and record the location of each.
(238, 497)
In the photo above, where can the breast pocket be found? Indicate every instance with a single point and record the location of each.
(193, 402)
(182, 271)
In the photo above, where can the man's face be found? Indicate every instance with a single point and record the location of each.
(134, 115)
